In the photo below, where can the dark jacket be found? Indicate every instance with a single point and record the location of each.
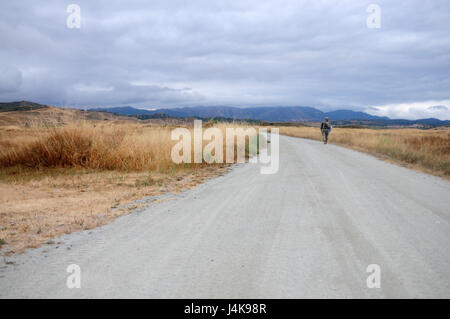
(325, 126)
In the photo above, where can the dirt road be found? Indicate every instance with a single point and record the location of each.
(310, 230)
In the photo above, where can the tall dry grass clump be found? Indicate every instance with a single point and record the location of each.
(118, 147)
(126, 147)
(427, 149)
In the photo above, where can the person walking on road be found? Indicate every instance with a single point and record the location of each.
(325, 127)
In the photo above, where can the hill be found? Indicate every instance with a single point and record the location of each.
(123, 110)
(20, 106)
(352, 115)
(276, 114)
(270, 114)
(50, 115)
(26, 112)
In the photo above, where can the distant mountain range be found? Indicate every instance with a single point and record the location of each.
(274, 114)
(270, 114)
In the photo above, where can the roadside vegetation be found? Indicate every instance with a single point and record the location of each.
(125, 147)
(56, 179)
(65, 176)
(426, 150)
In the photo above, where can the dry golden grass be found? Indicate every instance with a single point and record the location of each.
(124, 147)
(428, 150)
(85, 145)
(59, 179)
(38, 206)
(58, 116)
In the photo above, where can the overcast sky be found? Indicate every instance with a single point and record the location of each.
(164, 53)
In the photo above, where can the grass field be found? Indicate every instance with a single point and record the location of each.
(59, 179)
(427, 150)
(124, 147)
(56, 179)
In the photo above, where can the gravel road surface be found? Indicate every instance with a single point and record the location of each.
(310, 230)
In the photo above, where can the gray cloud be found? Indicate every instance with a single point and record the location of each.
(413, 110)
(10, 79)
(176, 53)
(437, 107)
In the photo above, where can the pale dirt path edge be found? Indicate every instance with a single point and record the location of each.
(308, 231)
